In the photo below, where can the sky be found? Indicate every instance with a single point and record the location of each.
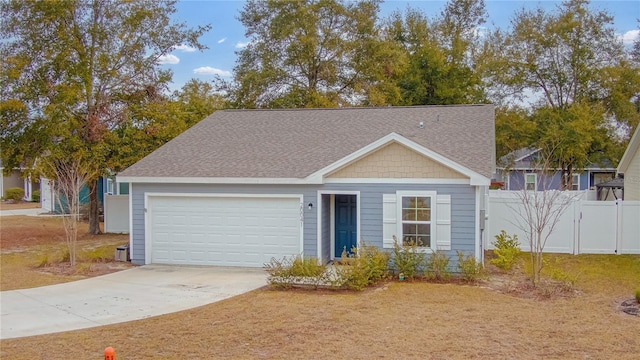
(227, 34)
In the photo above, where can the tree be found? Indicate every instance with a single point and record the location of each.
(70, 176)
(441, 54)
(69, 67)
(539, 211)
(514, 130)
(324, 53)
(570, 64)
(154, 120)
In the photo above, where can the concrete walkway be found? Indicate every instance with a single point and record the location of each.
(127, 295)
(25, 212)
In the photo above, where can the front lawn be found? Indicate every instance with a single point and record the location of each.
(393, 321)
(33, 249)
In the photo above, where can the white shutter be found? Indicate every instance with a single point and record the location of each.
(443, 222)
(389, 221)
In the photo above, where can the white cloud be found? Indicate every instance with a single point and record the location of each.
(168, 59)
(185, 48)
(208, 70)
(241, 45)
(630, 36)
(222, 40)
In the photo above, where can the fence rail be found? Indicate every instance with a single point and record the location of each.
(586, 227)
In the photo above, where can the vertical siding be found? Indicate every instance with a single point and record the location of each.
(462, 209)
(632, 178)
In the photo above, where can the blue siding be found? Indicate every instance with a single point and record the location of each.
(462, 209)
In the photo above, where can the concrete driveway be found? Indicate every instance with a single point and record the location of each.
(127, 295)
(24, 212)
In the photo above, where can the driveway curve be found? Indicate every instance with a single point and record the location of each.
(126, 295)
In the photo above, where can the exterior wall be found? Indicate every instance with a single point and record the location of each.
(396, 161)
(11, 181)
(632, 178)
(463, 205)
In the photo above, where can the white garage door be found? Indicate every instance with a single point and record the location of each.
(225, 231)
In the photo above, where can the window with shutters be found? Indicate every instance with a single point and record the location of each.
(416, 220)
(420, 217)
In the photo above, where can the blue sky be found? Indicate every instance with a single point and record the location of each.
(227, 33)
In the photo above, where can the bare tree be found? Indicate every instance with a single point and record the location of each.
(539, 211)
(69, 179)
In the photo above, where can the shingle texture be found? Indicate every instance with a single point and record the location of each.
(297, 143)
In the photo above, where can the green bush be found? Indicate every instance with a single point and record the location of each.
(437, 266)
(297, 270)
(470, 269)
(15, 194)
(35, 196)
(507, 250)
(366, 266)
(408, 259)
(638, 295)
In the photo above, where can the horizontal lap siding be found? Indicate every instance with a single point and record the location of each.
(462, 209)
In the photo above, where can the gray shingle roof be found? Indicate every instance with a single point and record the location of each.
(298, 142)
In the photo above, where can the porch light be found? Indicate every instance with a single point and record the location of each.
(310, 206)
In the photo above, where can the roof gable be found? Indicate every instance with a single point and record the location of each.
(629, 153)
(294, 144)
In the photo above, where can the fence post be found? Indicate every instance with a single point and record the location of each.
(619, 225)
(109, 353)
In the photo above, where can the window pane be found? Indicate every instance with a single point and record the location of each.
(424, 215)
(408, 202)
(409, 214)
(409, 229)
(424, 241)
(423, 229)
(531, 178)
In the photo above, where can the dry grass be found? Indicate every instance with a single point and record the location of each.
(8, 205)
(32, 249)
(395, 321)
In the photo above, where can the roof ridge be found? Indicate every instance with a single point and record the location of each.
(361, 108)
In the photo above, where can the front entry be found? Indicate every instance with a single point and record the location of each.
(346, 223)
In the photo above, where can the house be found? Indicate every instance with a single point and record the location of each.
(15, 178)
(244, 186)
(50, 199)
(519, 169)
(630, 167)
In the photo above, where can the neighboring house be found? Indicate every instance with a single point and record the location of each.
(51, 202)
(244, 186)
(15, 179)
(519, 169)
(630, 167)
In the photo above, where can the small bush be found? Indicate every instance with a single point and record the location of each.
(408, 259)
(298, 270)
(35, 196)
(43, 261)
(100, 254)
(470, 269)
(638, 295)
(15, 194)
(437, 266)
(507, 250)
(555, 272)
(366, 266)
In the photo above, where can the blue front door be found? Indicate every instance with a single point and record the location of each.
(346, 223)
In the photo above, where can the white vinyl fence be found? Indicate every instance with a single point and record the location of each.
(586, 227)
(116, 213)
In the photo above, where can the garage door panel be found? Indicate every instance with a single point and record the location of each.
(223, 231)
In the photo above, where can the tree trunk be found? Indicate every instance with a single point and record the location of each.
(94, 210)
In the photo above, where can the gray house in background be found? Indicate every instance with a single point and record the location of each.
(15, 178)
(519, 169)
(243, 186)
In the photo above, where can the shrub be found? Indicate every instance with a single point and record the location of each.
(507, 250)
(638, 295)
(367, 266)
(470, 269)
(35, 196)
(408, 259)
(15, 194)
(437, 266)
(298, 270)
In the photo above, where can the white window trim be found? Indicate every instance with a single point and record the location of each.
(574, 183)
(535, 181)
(432, 222)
